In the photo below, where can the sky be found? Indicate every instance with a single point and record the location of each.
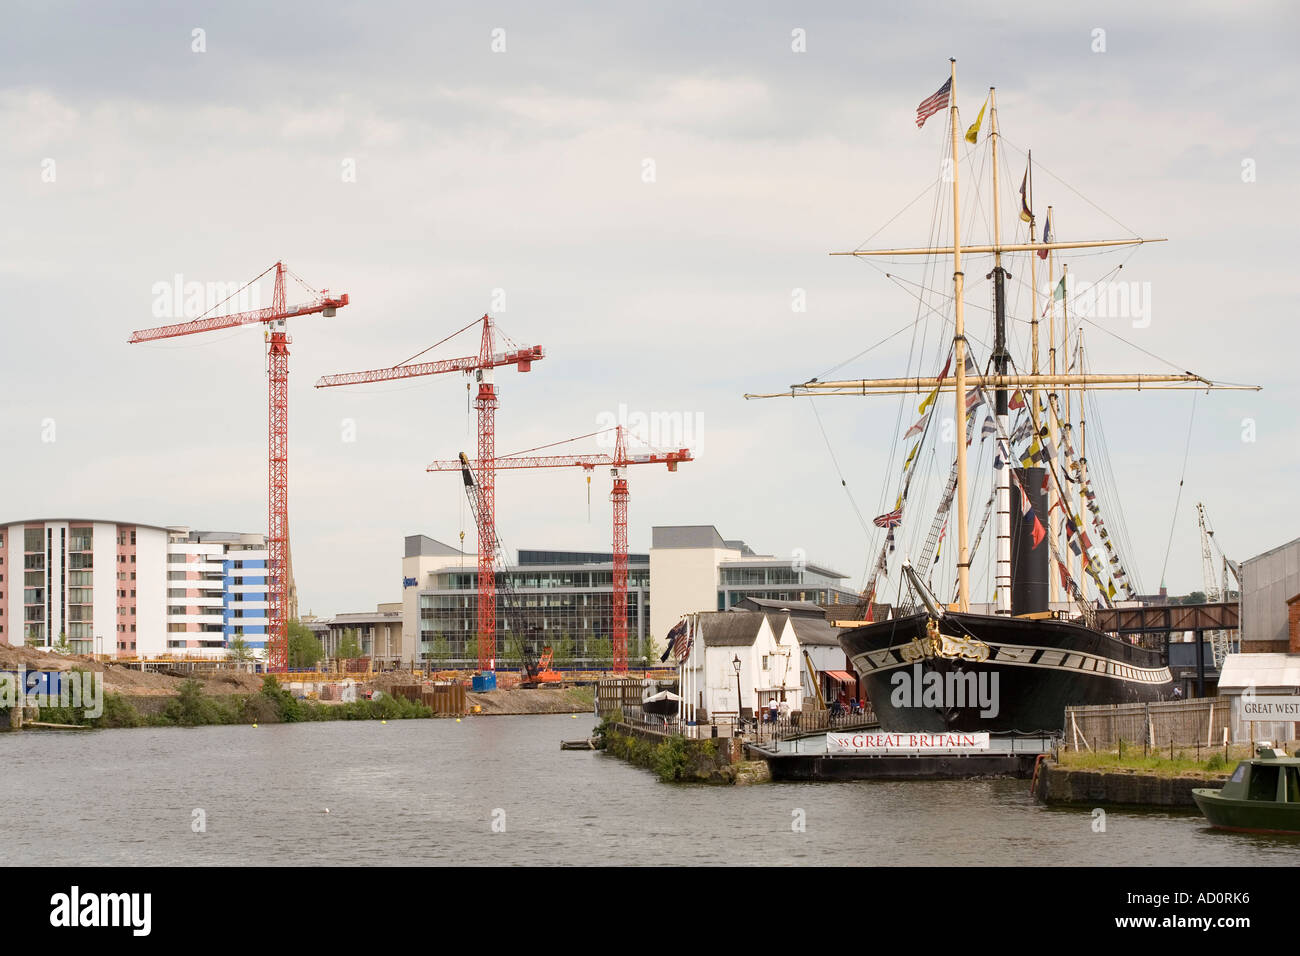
(648, 192)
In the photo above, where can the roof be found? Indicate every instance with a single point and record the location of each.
(420, 545)
(1272, 551)
(1261, 671)
(730, 628)
(84, 521)
(793, 607)
(686, 536)
(814, 632)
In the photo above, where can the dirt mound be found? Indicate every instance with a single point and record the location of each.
(543, 700)
(120, 679)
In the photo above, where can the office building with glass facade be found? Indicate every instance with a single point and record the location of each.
(566, 597)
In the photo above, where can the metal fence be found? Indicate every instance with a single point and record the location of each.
(1176, 723)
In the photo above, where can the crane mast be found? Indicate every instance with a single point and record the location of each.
(618, 464)
(281, 594)
(486, 403)
(1220, 641)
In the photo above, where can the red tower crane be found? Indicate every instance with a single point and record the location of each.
(486, 403)
(617, 463)
(277, 644)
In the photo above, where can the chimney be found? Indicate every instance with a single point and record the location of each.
(1293, 624)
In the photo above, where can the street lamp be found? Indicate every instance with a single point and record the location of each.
(736, 664)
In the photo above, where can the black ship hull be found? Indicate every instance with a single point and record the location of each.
(1003, 675)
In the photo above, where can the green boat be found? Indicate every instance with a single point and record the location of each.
(1262, 796)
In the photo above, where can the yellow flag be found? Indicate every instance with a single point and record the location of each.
(973, 133)
(928, 399)
(1110, 591)
(911, 455)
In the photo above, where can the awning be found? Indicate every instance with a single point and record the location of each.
(841, 677)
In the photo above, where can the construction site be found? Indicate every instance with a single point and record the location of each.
(194, 648)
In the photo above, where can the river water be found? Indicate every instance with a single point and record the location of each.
(498, 790)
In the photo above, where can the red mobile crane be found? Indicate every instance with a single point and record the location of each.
(481, 366)
(617, 464)
(278, 565)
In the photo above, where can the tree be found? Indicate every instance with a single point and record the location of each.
(238, 651)
(562, 651)
(349, 649)
(512, 651)
(649, 651)
(62, 645)
(440, 651)
(1196, 597)
(304, 648)
(602, 650)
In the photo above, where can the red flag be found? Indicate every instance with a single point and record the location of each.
(1038, 532)
(1017, 401)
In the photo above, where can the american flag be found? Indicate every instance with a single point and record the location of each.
(683, 647)
(932, 104)
(891, 520)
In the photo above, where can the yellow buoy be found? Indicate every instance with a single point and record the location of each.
(458, 720)
(254, 726)
(383, 721)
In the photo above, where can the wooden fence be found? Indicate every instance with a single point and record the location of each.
(620, 695)
(1180, 723)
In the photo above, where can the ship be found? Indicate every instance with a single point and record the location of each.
(1012, 668)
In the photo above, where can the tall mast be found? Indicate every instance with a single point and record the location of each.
(1067, 424)
(1083, 463)
(959, 358)
(1033, 277)
(1034, 398)
(1053, 431)
(1002, 475)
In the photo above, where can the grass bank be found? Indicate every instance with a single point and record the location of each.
(1158, 763)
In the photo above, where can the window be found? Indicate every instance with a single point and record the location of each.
(764, 662)
(1263, 783)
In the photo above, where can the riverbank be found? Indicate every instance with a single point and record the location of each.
(193, 706)
(675, 759)
(1107, 779)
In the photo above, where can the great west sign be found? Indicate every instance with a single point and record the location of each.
(1259, 707)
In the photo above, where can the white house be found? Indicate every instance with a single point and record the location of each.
(738, 656)
(758, 653)
(807, 629)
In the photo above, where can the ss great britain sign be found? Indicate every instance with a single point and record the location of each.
(868, 743)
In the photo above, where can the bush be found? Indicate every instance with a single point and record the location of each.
(193, 708)
(671, 760)
(118, 712)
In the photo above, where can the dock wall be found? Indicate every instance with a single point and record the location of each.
(677, 759)
(1059, 785)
